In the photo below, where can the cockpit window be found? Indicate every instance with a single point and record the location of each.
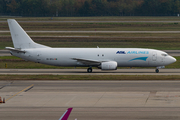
(164, 54)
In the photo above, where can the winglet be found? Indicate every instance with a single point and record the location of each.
(66, 114)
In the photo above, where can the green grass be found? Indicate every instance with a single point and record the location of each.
(89, 77)
(102, 42)
(51, 26)
(100, 18)
(45, 35)
(9, 58)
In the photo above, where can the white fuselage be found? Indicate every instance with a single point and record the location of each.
(125, 57)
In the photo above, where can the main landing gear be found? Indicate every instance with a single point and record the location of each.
(89, 70)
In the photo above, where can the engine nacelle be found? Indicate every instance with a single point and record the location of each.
(112, 65)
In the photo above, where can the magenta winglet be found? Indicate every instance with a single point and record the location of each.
(66, 114)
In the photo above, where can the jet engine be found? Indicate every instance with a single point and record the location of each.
(111, 65)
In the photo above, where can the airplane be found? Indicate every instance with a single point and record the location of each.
(102, 58)
(66, 114)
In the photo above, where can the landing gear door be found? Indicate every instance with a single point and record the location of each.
(154, 56)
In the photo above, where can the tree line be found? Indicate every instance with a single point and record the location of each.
(90, 7)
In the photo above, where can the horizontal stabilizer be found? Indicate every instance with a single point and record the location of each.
(15, 49)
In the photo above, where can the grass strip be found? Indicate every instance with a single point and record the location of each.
(96, 18)
(166, 43)
(100, 26)
(90, 77)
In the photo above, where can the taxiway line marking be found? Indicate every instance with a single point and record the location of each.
(19, 92)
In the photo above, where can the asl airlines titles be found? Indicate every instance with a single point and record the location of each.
(132, 52)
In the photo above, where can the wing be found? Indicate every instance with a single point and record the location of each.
(88, 61)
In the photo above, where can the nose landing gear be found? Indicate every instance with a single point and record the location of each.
(159, 67)
(157, 70)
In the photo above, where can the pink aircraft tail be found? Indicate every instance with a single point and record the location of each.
(66, 114)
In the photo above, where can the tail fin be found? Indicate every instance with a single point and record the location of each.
(66, 114)
(20, 38)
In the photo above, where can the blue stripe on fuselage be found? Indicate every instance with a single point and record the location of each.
(139, 58)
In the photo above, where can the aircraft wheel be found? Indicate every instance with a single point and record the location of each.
(157, 70)
(89, 70)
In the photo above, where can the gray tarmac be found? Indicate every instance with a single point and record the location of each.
(5, 53)
(84, 72)
(91, 100)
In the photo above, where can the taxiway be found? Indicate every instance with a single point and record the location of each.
(91, 100)
(84, 72)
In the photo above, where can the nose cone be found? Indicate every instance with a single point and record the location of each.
(171, 60)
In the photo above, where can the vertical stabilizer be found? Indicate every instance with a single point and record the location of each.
(20, 38)
(66, 114)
